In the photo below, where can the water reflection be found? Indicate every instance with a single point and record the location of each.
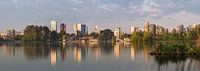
(132, 53)
(53, 56)
(117, 50)
(116, 55)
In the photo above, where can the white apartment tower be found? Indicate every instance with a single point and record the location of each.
(53, 25)
(117, 33)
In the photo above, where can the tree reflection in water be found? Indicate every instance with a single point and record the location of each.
(79, 53)
(181, 62)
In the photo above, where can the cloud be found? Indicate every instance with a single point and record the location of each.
(101, 11)
(182, 15)
(109, 7)
(147, 8)
(77, 1)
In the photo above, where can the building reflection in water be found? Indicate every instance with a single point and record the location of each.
(95, 49)
(53, 56)
(63, 54)
(79, 53)
(97, 52)
(7, 51)
(117, 50)
(146, 50)
(132, 53)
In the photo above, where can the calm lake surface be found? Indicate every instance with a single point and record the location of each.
(89, 57)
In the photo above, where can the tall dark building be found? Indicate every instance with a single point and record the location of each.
(62, 27)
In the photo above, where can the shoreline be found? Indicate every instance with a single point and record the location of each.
(174, 54)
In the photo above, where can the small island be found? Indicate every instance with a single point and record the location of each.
(175, 50)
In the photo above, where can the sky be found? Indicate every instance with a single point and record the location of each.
(17, 14)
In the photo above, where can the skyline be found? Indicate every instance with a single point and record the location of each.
(16, 14)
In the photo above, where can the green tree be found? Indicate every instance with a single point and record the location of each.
(136, 37)
(173, 34)
(54, 36)
(94, 34)
(106, 35)
(147, 37)
(45, 33)
(36, 33)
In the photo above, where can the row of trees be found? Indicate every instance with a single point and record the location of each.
(42, 33)
(192, 34)
(138, 37)
(36, 33)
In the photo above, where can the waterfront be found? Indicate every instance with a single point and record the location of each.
(89, 57)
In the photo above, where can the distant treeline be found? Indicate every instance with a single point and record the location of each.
(192, 34)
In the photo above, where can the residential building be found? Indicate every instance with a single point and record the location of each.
(96, 30)
(53, 25)
(80, 29)
(160, 30)
(10, 34)
(62, 27)
(180, 29)
(135, 29)
(117, 33)
(146, 26)
(152, 29)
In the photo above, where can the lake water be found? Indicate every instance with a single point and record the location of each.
(89, 57)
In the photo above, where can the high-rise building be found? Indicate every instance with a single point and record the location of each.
(132, 29)
(152, 29)
(96, 30)
(53, 25)
(84, 29)
(80, 29)
(160, 30)
(117, 33)
(77, 29)
(135, 29)
(180, 29)
(146, 26)
(62, 27)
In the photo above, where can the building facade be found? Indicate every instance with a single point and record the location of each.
(180, 29)
(53, 25)
(9, 34)
(146, 26)
(135, 29)
(152, 29)
(62, 27)
(96, 30)
(117, 33)
(80, 29)
(160, 30)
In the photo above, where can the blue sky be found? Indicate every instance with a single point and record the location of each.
(17, 14)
